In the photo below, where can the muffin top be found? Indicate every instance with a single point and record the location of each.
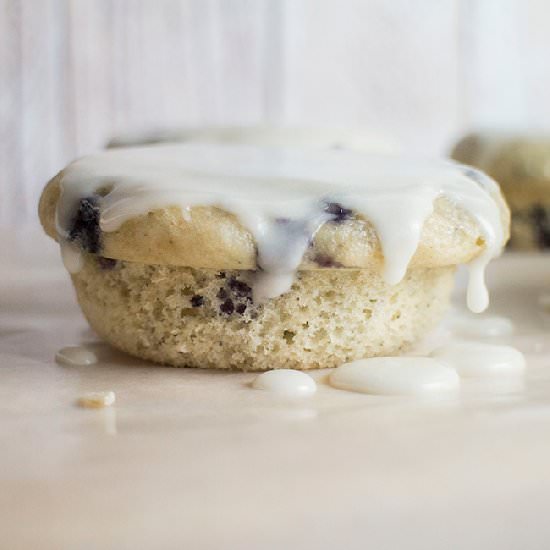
(274, 209)
(520, 163)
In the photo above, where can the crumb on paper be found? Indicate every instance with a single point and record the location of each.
(97, 399)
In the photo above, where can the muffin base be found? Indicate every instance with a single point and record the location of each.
(187, 317)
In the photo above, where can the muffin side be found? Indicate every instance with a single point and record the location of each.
(182, 316)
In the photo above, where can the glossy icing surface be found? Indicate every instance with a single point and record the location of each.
(486, 325)
(286, 382)
(396, 376)
(75, 355)
(478, 359)
(282, 196)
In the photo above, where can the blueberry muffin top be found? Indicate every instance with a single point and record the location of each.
(520, 163)
(273, 209)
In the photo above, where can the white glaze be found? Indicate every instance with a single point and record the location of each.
(396, 376)
(325, 138)
(476, 359)
(97, 399)
(264, 185)
(480, 327)
(286, 382)
(75, 355)
(71, 256)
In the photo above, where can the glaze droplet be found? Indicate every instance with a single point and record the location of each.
(396, 376)
(480, 326)
(287, 382)
(75, 355)
(475, 359)
(72, 258)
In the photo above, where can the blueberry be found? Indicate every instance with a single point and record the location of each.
(227, 307)
(235, 296)
(324, 260)
(541, 221)
(338, 212)
(106, 263)
(472, 173)
(239, 288)
(85, 225)
(222, 294)
(197, 300)
(476, 175)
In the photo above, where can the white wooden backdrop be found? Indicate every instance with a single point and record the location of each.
(75, 72)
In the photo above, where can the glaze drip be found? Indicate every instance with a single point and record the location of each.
(396, 376)
(283, 196)
(286, 382)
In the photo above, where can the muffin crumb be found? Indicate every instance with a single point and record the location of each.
(97, 399)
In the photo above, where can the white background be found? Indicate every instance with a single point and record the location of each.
(74, 73)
